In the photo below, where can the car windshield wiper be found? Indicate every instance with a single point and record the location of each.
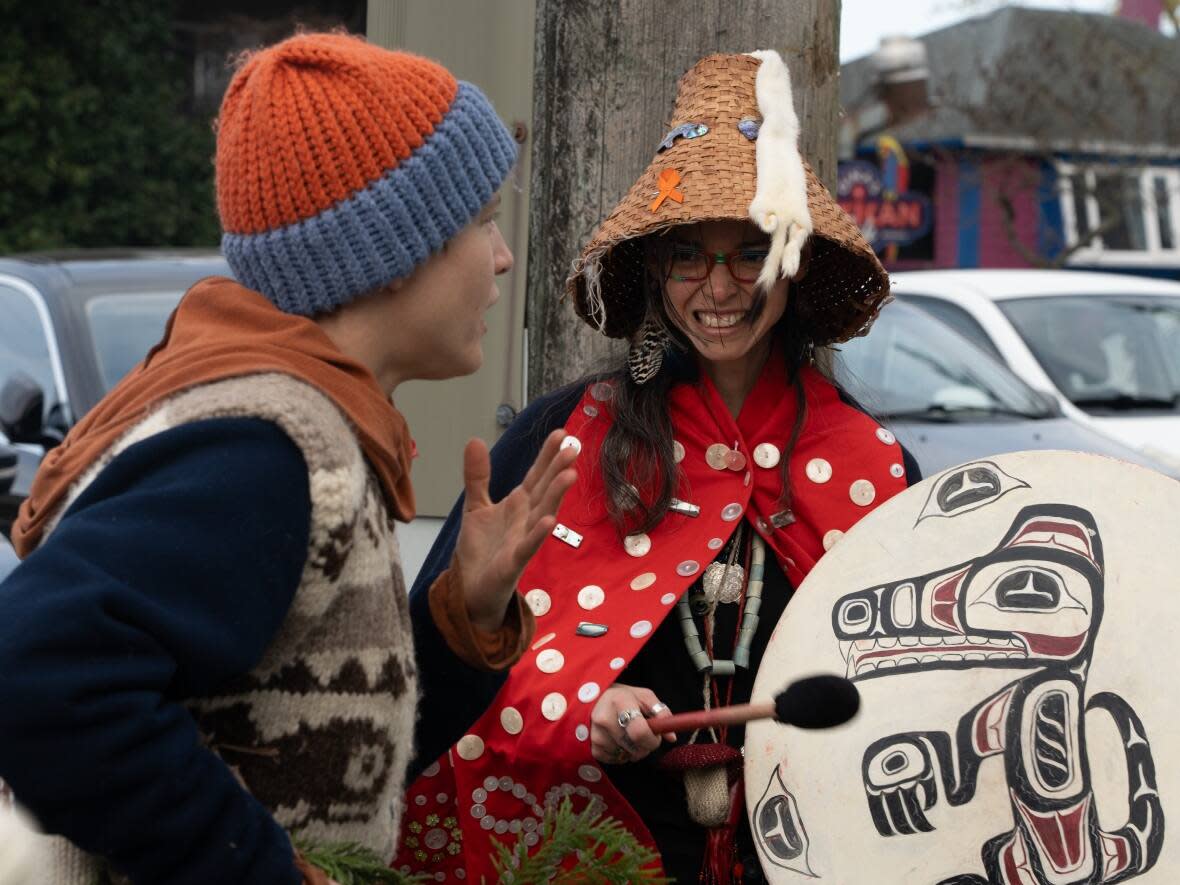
(940, 414)
(1126, 402)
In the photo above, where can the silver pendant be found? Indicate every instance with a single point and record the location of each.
(723, 583)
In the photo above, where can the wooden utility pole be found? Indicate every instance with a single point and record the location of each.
(605, 77)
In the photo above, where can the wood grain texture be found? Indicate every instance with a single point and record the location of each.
(605, 79)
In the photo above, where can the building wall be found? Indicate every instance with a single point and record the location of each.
(970, 229)
(493, 48)
(947, 216)
(1009, 184)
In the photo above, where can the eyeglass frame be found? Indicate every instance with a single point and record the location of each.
(712, 260)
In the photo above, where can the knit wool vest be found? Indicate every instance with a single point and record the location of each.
(321, 730)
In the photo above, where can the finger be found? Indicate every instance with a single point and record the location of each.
(604, 718)
(612, 755)
(603, 751)
(604, 745)
(653, 709)
(562, 459)
(539, 523)
(532, 541)
(546, 499)
(639, 733)
(477, 472)
(636, 736)
(549, 450)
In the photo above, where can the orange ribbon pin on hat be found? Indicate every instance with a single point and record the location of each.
(668, 180)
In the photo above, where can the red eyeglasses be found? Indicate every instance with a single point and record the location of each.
(691, 264)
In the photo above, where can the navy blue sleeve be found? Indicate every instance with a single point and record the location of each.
(913, 473)
(445, 712)
(170, 574)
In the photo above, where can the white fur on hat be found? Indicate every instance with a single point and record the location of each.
(779, 207)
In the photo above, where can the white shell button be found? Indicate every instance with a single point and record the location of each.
(862, 492)
(591, 596)
(553, 706)
(637, 545)
(766, 455)
(819, 470)
(538, 602)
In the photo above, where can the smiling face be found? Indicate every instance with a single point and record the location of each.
(726, 319)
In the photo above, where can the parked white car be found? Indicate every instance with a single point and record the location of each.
(1107, 346)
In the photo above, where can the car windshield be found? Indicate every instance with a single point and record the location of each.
(1105, 351)
(912, 366)
(124, 327)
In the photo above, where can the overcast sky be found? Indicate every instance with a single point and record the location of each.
(864, 22)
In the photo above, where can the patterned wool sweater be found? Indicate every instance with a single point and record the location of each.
(320, 729)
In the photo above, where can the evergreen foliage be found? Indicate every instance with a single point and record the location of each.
(97, 149)
(602, 851)
(352, 864)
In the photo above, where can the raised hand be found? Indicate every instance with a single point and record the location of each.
(496, 541)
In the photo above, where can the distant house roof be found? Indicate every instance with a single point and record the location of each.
(1021, 78)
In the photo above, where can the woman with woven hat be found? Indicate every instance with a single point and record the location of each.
(716, 468)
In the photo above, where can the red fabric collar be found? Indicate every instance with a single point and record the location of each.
(531, 745)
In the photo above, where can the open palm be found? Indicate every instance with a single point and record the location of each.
(496, 540)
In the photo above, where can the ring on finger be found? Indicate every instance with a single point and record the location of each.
(657, 708)
(625, 717)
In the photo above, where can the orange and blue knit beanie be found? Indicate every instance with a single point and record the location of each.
(341, 166)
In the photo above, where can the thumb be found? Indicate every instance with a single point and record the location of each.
(477, 472)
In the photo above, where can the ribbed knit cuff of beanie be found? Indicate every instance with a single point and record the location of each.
(341, 166)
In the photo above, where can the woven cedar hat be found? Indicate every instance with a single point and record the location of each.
(732, 153)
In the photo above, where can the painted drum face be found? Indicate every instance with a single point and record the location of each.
(1009, 626)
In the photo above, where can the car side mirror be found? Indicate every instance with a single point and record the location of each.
(8, 464)
(22, 404)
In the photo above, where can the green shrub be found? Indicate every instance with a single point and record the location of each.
(96, 148)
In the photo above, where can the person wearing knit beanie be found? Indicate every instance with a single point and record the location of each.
(341, 167)
(207, 655)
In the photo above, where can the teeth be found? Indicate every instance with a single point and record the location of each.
(852, 650)
(719, 321)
